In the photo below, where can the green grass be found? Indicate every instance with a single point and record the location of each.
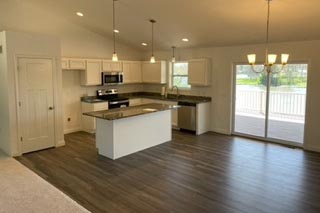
(255, 82)
(282, 81)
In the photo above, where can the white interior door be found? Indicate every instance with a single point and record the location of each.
(36, 104)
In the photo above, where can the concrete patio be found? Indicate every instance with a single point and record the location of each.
(288, 130)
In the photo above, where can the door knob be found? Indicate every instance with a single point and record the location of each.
(51, 108)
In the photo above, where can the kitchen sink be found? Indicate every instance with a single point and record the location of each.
(150, 110)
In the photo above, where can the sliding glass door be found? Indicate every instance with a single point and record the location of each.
(250, 111)
(276, 116)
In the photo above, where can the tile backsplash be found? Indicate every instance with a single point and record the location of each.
(91, 91)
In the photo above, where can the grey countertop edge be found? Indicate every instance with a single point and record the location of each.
(113, 111)
(155, 97)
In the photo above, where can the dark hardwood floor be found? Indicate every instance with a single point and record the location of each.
(208, 173)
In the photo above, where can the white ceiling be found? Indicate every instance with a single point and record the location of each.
(204, 22)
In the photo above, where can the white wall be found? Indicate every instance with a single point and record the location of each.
(4, 99)
(223, 59)
(76, 41)
(17, 15)
(26, 45)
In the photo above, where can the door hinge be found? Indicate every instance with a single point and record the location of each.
(19, 103)
(21, 139)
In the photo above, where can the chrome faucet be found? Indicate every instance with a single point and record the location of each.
(177, 94)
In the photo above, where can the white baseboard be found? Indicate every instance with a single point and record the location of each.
(60, 143)
(221, 131)
(311, 148)
(67, 131)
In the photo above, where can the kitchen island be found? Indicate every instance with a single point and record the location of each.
(124, 131)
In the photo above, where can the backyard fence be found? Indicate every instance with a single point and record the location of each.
(288, 105)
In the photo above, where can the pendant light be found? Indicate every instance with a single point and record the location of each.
(114, 55)
(270, 59)
(173, 56)
(152, 59)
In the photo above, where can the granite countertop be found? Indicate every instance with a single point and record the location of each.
(157, 96)
(120, 113)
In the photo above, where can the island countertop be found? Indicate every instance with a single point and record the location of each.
(120, 113)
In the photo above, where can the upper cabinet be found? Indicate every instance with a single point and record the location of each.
(92, 75)
(114, 66)
(154, 72)
(199, 71)
(64, 63)
(73, 64)
(131, 72)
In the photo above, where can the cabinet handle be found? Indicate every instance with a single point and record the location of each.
(51, 108)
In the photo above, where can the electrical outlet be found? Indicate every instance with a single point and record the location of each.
(69, 119)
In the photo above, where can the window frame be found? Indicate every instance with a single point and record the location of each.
(172, 75)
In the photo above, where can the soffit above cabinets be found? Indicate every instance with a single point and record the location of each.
(205, 22)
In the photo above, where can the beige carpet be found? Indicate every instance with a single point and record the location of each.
(21, 190)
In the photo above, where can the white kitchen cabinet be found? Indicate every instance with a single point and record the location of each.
(199, 72)
(154, 72)
(89, 123)
(77, 64)
(92, 75)
(111, 66)
(135, 101)
(73, 64)
(132, 72)
(203, 117)
(64, 63)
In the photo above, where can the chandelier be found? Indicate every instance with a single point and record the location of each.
(270, 59)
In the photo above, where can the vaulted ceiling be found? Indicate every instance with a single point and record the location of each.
(204, 22)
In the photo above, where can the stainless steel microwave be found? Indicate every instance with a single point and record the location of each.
(112, 78)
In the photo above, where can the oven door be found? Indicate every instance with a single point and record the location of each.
(112, 78)
(118, 104)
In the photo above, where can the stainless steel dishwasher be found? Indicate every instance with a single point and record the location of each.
(187, 116)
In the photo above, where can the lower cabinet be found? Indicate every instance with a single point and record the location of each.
(135, 101)
(89, 123)
(203, 117)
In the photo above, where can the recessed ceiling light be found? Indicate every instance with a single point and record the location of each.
(79, 14)
(144, 44)
(185, 39)
(116, 31)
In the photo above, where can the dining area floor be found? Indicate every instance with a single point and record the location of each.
(206, 173)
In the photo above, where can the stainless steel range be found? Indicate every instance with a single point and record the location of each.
(112, 96)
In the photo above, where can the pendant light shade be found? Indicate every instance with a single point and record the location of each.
(152, 59)
(252, 59)
(270, 59)
(114, 55)
(284, 58)
(173, 56)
